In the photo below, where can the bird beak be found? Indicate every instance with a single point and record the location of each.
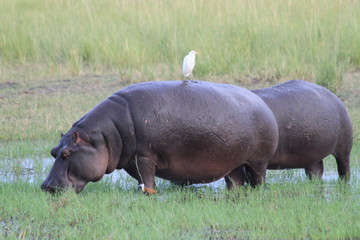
(197, 53)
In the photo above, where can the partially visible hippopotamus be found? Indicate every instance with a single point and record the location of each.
(313, 123)
(183, 131)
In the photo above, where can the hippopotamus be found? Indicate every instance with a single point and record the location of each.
(182, 131)
(313, 123)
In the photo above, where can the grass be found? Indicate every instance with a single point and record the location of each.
(287, 207)
(58, 59)
(240, 40)
(106, 212)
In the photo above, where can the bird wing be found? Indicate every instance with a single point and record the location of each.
(188, 65)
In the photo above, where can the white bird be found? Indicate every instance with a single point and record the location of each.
(189, 63)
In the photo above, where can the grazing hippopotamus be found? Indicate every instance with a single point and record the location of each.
(182, 131)
(313, 123)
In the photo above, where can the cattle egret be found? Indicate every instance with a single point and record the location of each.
(189, 63)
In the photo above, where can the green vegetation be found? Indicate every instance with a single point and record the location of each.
(146, 40)
(58, 59)
(301, 210)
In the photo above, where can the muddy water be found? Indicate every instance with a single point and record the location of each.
(35, 171)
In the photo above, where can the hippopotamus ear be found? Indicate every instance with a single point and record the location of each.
(78, 139)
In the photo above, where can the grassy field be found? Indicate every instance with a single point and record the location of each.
(239, 40)
(58, 59)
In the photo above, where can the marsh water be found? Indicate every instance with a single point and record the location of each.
(35, 171)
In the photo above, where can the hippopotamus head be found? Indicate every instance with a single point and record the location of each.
(79, 159)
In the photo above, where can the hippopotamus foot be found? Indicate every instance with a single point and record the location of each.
(236, 178)
(148, 191)
(342, 162)
(315, 171)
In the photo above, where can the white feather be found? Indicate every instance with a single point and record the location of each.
(189, 63)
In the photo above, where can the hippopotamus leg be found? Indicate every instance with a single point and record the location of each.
(245, 175)
(342, 161)
(236, 177)
(257, 175)
(143, 170)
(146, 168)
(315, 171)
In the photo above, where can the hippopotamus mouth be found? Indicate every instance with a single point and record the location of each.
(61, 187)
(54, 189)
(55, 185)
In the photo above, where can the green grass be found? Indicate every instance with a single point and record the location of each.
(288, 207)
(58, 59)
(239, 40)
(277, 211)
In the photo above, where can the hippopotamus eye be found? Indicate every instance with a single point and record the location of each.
(65, 153)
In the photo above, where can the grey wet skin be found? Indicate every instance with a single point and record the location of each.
(182, 131)
(313, 123)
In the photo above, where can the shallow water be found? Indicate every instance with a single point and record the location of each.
(35, 171)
